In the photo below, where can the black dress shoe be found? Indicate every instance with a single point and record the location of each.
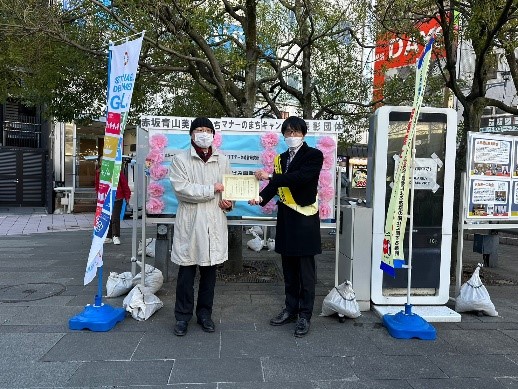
(282, 318)
(302, 327)
(207, 324)
(180, 329)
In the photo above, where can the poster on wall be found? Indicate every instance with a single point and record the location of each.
(489, 199)
(491, 157)
(514, 199)
(358, 176)
(250, 145)
(491, 177)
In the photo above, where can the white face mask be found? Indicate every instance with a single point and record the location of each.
(294, 141)
(203, 140)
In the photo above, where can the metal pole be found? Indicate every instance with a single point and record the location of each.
(411, 225)
(460, 234)
(143, 231)
(337, 234)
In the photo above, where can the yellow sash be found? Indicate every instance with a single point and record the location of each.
(286, 197)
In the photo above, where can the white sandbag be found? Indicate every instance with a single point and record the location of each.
(474, 296)
(254, 230)
(270, 243)
(150, 247)
(119, 284)
(141, 303)
(153, 278)
(342, 300)
(255, 244)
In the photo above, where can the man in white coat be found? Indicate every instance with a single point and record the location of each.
(200, 231)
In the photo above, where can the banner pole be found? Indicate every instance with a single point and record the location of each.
(411, 224)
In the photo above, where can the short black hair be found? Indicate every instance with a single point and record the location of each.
(201, 122)
(296, 124)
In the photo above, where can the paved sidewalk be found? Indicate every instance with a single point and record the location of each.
(41, 288)
(36, 223)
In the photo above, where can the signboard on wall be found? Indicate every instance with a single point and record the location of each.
(250, 144)
(492, 176)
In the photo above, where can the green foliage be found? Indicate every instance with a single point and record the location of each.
(198, 57)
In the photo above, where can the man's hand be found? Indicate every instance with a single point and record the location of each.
(261, 175)
(225, 204)
(255, 201)
(218, 187)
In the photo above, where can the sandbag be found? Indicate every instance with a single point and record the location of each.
(119, 284)
(270, 243)
(254, 229)
(256, 243)
(153, 278)
(342, 300)
(150, 247)
(474, 296)
(141, 303)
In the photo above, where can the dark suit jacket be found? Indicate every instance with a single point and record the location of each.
(301, 178)
(297, 234)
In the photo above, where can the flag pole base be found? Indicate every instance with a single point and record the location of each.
(97, 318)
(408, 325)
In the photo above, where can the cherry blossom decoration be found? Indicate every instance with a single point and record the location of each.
(326, 192)
(218, 139)
(155, 205)
(269, 141)
(154, 189)
(158, 141)
(157, 171)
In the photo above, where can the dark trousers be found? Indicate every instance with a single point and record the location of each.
(115, 223)
(299, 284)
(184, 305)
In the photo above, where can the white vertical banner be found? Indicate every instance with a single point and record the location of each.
(122, 73)
(397, 212)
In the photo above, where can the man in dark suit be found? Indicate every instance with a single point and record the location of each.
(297, 239)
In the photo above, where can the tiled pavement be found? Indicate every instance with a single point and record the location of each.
(41, 275)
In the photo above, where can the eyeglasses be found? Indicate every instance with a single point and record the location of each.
(199, 130)
(292, 132)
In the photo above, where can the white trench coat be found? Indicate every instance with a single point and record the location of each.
(200, 230)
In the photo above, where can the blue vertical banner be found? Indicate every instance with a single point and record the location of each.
(122, 73)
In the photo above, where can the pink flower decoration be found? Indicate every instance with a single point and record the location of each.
(262, 184)
(269, 208)
(328, 162)
(325, 178)
(217, 140)
(155, 156)
(325, 211)
(158, 172)
(326, 193)
(158, 141)
(268, 169)
(155, 205)
(269, 140)
(326, 144)
(267, 157)
(154, 189)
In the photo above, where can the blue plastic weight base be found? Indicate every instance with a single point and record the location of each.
(97, 318)
(408, 325)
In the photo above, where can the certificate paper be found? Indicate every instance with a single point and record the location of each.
(240, 187)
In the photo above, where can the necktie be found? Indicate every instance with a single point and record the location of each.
(290, 158)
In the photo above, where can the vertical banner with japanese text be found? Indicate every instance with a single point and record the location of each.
(396, 219)
(122, 72)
